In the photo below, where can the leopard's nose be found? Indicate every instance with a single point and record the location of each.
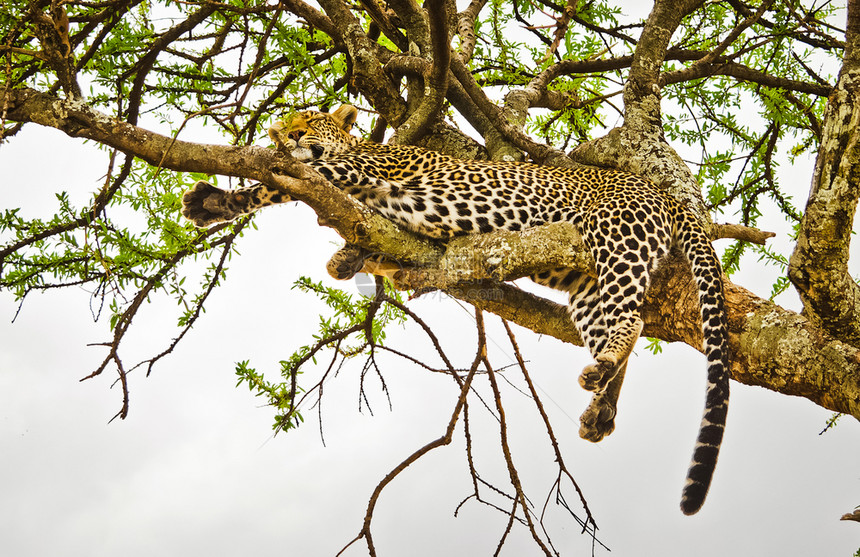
(295, 135)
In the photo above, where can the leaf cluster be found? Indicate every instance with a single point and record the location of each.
(742, 132)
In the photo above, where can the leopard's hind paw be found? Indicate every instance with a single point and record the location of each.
(598, 420)
(595, 377)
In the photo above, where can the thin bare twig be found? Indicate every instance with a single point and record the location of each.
(588, 524)
(445, 439)
(520, 499)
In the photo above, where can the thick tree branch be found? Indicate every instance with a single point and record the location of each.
(500, 255)
(819, 264)
(648, 57)
(466, 28)
(366, 66)
(761, 332)
(414, 19)
(435, 81)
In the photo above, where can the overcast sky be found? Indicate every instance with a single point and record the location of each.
(194, 469)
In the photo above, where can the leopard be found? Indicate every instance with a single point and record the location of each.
(628, 224)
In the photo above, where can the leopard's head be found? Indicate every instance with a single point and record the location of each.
(315, 135)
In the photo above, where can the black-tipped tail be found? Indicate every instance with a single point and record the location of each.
(708, 276)
(707, 450)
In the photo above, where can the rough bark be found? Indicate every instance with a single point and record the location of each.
(771, 347)
(639, 145)
(435, 80)
(367, 72)
(819, 264)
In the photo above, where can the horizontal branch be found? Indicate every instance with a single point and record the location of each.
(743, 73)
(702, 66)
(501, 255)
(352, 220)
(741, 232)
(771, 347)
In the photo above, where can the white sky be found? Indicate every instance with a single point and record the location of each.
(194, 469)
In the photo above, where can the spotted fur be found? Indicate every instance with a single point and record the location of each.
(628, 223)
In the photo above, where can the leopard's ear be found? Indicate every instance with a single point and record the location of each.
(345, 116)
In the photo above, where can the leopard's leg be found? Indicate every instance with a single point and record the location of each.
(204, 204)
(598, 420)
(586, 312)
(622, 287)
(583, 304)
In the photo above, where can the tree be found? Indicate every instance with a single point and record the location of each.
(534, 80)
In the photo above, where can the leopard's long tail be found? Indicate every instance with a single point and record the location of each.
(708, 276)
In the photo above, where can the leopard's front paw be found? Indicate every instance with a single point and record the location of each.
(598, 420)
(596, 376)
(346, 262)
(204, 204)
